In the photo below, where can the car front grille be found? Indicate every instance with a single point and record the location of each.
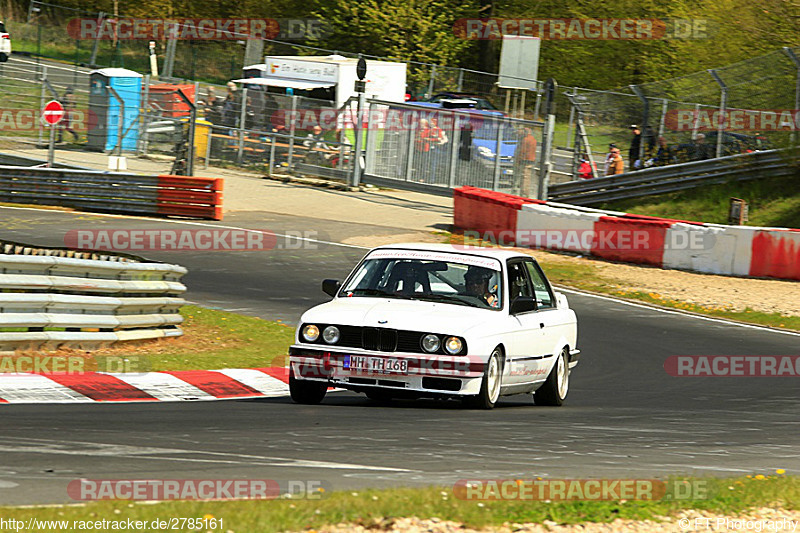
(381, 339)
(377, 339)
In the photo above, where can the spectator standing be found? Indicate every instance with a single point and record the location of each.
(211, 106)
(232, 106)
(636, 145)
(524, 159)
(609, 158)
(617, 164)
(422, 144)
(664, 155)
(316, 144)
(585, 169)
(439, 142)
(68, 101)
(700, 149)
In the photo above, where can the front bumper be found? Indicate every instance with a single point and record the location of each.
(574, 358)
(425, 374)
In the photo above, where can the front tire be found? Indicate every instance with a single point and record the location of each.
(306, 392)
(490, 385)
(554, 391)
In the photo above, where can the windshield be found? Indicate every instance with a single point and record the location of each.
(429, 279)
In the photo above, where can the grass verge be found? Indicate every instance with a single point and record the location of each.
(378, 509)
(772, 203)
(584, 277)
(212, 340)
(215, 339)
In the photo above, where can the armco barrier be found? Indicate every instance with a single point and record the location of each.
(49, 301)
(113, 192)
(667, 243)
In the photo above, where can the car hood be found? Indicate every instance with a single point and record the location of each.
(413, 315)
(507, 148)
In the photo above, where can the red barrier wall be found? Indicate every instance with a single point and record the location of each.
(776, 254)
(190, 196)
(630, 240)
(486, 211)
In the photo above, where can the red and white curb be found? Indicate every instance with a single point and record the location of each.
(175, 386)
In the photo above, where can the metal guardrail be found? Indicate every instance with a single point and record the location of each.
(113, 192)
(51, 301)
(660, 180)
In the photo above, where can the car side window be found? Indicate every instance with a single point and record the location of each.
(544, 298)
(518, 283)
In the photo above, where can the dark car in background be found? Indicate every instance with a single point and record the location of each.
(481, 103)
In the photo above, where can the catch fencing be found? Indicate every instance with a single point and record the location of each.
(54, 298)
(437, 150)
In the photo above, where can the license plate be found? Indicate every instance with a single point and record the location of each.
(375, 365)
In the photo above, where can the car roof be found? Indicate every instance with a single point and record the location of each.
(496, 253)
(472, 110)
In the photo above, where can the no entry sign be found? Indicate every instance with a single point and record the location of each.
(53, 112)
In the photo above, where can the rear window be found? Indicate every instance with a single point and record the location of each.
(2, 28)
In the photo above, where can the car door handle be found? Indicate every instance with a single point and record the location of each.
(541, 324)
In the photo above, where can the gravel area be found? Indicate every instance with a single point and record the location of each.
(685, 521)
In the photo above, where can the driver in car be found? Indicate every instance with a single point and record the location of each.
(476, 281)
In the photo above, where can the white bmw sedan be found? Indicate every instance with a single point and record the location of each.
(422, 320)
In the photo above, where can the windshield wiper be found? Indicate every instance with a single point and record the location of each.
(378, 292)
(444, 298)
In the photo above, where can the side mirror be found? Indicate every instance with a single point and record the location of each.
(561, 300)
(330, 286)
(522, 304)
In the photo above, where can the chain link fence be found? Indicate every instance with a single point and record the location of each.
(429, 148)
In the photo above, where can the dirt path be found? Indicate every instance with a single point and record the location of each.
(707, 290)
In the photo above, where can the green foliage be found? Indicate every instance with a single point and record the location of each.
(415, 30)
(422, 30)
(772, 203)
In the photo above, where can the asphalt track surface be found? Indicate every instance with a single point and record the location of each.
(625, 417)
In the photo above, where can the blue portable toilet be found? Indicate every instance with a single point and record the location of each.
(104, 109)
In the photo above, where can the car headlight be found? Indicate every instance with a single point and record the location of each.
(453, 345)
(311, 333)
(431, 343)
(331, 334)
